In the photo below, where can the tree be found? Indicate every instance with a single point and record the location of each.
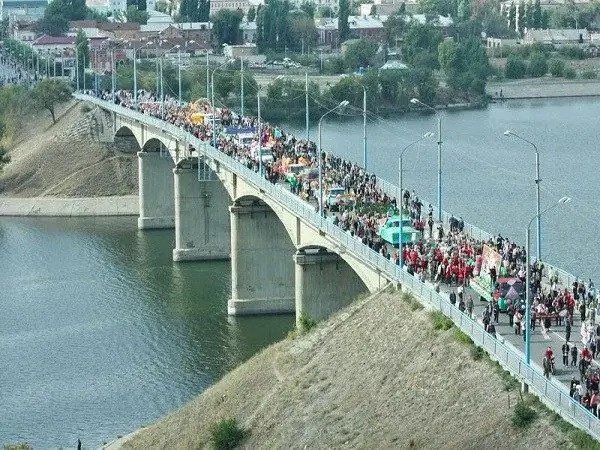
(251, 14)
(360, 54)
(82, 53)
(421, 45)
(188, 10)
(537, 15)
(556, 67)
(528, 16)
(538, 65)
(308, 8)
(496, 26)
(133, 14)
(343, 25)
(302, 30)
(515, 67)
(448, 55)
(203, 11)
(325, 11)
(393, 28)
(49, 93)
(162, 6)
(464, 10)
(53, 25)
(226, 26)
(521, 17)
(78, 10)
(512, 16)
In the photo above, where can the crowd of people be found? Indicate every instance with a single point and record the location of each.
(441, 256)
(13, 72)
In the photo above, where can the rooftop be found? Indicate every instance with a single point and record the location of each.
(54, 40)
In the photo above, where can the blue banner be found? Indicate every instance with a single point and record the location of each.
(240, 130)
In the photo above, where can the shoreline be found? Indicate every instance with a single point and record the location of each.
(126, 205)
(542, 88)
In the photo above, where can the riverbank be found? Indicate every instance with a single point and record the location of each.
(531, 88)
(126, 205)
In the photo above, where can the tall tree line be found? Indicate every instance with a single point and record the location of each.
(194, 10)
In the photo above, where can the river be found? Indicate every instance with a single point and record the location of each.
(101, 333)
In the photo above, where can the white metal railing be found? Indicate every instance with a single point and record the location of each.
(551, 391)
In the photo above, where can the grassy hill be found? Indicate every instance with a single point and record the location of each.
(383, 373)
(66, 159)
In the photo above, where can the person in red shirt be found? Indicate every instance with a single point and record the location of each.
(549, 354)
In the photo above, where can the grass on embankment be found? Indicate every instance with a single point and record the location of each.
(379, 374)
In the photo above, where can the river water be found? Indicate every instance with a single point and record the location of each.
(100, 332)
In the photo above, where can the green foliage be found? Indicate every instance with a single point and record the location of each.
(496, 25)
(448, 55)
(308, 8)
(57, 15)
(394, 28)
(515, 67)
(476, 353)
(421, 45)
(133, 14)
(251, 14)
(303, 31)
(4, 157)
(461, 337)
(538, 65)
(435, 7)
(343, 25)
(82, 53)
(512, 16)
(521, 17)
(556, 67)
(509, 382)
(307, 323)
(572, 52)
(226, 26)
(589, 75)
(23, 446)
(580, 439)
(273, 29)
(226, 434)
(412, 302)
(569, 73)
(523, 415)
(48, 93)
(440, 321)
(360, 54)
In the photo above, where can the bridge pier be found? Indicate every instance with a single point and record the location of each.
(201, 217)
(325, 283)
(262, 269)
(155, 191)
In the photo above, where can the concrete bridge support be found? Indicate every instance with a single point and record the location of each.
(201, 217)
(262, 268)
(325, 283)
(155, 190)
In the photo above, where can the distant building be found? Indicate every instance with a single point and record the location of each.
(237, 51)
(89, 27)
(367, 27)
(389, 7)
(243, 5)
(23, 31)
(557, 37)
(119, 30)
(328, 32)
(248, 32)
(157, 22)
(22, 10)
(53, 44)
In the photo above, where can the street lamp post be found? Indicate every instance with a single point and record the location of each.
(135, 50)
(537, 188)
(242, 84)
(212, 100)
(306, 106)
(260, 161)
(425, 136)
(416, 101)
(563, 200)
(77, 65)
(342, 104)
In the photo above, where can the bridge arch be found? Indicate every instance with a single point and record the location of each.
(125, 131)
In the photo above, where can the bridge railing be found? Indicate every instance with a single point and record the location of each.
(550, 391)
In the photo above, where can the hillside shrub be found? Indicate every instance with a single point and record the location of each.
(556, 67)
(462, 337)
(413, 303)
(538, 65)
(572, 52)
(307, 323)
(476, 353)
(226, 434)
(589, 75)
(516, 67)
(523, 415)
(569, 73)
(440, 321)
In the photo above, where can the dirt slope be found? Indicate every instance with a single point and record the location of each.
(375, 376)
(67, 159)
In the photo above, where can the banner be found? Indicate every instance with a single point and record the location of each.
(489, 258)
(240, 130)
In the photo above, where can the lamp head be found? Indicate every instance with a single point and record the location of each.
(414, 101)
(564, 200)
(230, 61)
(427, 135)
(279, 77)
(508, 133)
(191, 41)
(344, 103)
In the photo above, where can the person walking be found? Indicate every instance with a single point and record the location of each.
(470, 306)
(574, 354)
(452, 297)
(496, 311)
(565, 353)
(567, 330)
